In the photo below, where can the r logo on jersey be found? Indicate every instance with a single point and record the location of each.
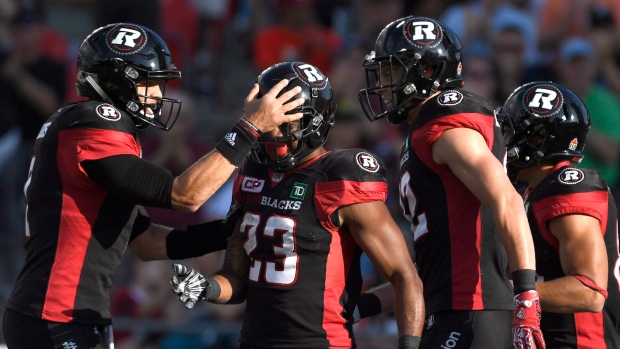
(571, 176)
(423, 32)
(126, 39)
(367, 162)
(543, 100)
(450, 98)
(108, 112)
(252, 185)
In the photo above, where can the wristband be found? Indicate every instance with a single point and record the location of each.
(198, 239)
(238, 143)
(524, 280)
(368, 305)
(408, 342)
(212, 290)
(140, 225)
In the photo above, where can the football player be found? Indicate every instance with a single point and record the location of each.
(572, 215)
(467, 221)
(87, 182)
(306, 216)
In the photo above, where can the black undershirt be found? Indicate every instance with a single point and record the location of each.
(133, 179)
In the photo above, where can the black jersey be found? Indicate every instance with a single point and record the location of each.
(305, 275)
(461, 260)
(76, 230)
(569, 190)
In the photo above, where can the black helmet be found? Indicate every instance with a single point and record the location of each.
(411, 43)
(318, 112)
(113, 58)
(543, 121)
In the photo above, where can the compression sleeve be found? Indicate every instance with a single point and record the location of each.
(133, 179)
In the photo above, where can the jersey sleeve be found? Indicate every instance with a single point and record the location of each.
(589, 203)
(353, 176)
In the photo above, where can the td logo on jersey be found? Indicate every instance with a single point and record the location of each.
(126, 39)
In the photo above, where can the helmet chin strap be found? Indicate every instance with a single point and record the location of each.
(85, 77)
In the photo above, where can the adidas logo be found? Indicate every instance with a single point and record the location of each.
(230, 137)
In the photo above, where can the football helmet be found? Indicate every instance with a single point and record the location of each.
(543, 121)
(318, 114)
(113, 58)
(403, 49)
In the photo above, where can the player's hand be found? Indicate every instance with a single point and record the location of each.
(269, 111)
(526, 332)
(188, 284)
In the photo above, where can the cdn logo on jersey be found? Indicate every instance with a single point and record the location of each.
(126, 39)
(450, 98)
(543, 100)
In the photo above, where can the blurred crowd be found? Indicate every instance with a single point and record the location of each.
(221, 46)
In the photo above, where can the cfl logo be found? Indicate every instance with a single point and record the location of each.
(423, 30)
(127, 37)
(543, 99)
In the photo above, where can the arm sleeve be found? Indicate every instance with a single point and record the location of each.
(133, 179)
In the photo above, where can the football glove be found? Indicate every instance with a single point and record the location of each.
(188, 284)
(526, 332)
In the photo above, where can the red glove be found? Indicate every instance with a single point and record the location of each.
(526, 332)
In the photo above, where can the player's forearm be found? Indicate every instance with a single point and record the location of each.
(513, 227)
(199, 182)
(568, 295)
(408, 305)
(233, 289)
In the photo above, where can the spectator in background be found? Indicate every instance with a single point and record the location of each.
(605, 36)
(32, 87)
(577, 70)
(479, 74)
(508, 44)
(297, 36)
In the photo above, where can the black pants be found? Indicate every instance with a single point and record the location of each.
(26, 332)
(454, 329)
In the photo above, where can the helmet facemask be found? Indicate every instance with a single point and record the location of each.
(300, 138)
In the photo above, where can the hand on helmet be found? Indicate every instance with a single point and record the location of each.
(526, 332)
(269, 111)
(188, 284)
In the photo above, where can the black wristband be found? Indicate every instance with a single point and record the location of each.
(238, 143)
(368, 305)
(524, 280)
(408, 342)
(212, 291)
(140, 225)
(198, 239)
